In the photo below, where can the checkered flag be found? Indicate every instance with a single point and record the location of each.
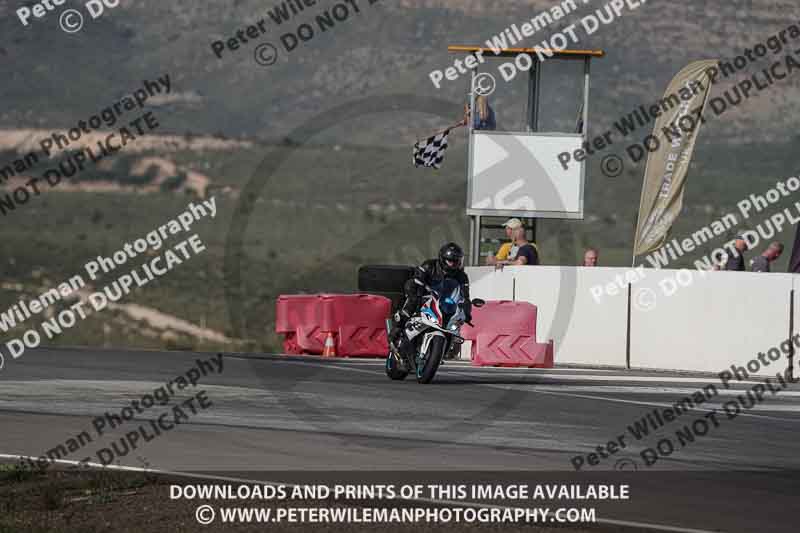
(430, 152)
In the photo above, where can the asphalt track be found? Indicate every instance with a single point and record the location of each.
(301, 418)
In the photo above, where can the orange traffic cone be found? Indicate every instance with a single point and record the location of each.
(330, 346)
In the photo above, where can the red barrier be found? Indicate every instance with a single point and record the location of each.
(358, 322)
(504, 332)
(299, 318)
(511, 350)
(505, 335)
(295, 309)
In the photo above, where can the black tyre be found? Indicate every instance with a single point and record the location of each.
(393, 369)
(436, 350)
(383, 278)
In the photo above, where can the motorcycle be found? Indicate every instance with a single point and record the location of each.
(431, 334)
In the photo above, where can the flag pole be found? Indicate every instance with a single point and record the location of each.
(454, 126)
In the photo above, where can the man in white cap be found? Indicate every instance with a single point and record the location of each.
(508, 249)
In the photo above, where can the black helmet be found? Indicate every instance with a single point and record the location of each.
(451, 258)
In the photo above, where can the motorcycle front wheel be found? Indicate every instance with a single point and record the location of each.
(435, 353)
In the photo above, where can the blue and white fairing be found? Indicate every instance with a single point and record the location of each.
(443, 309)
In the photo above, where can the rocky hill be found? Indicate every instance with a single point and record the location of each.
(53, 79)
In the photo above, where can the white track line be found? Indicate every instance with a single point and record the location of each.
(333, 367)
(658, 527)
(354, 361)
(534, 372)
(641, 379)
(565, 373)
(626, 389)
(777, 408)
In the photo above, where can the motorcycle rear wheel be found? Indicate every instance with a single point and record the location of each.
(393, 369)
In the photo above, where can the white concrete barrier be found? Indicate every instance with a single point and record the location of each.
(679, 319)
(796, 325)
(584, 331)
(490, 284)
(708, 321)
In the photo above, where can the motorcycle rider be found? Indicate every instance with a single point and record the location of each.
(449, 265)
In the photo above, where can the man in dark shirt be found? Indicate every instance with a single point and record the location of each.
(761, 263)
(735, 260)
(527, 253)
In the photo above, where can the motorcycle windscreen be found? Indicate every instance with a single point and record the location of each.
(449, 296)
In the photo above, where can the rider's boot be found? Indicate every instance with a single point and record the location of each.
(395, 334)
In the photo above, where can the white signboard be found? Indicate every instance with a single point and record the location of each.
(519, 174)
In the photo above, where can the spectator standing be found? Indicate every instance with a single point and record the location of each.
(735, 260)
(508, 249)
(762, 262)
(590, 257)
(484, 119)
